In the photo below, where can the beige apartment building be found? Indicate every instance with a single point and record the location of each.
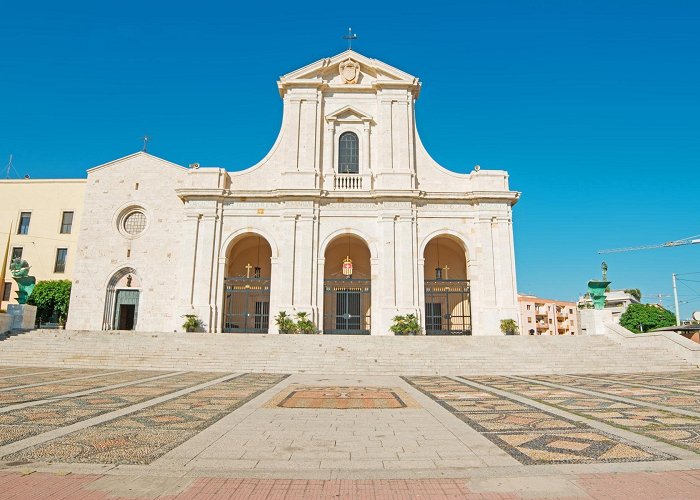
(540, 316)
(41, 217)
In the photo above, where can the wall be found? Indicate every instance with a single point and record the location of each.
(139, 180)
(46, 199)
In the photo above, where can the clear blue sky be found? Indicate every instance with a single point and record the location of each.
(592, 106)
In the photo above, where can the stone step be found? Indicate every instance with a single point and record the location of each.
(335, 354)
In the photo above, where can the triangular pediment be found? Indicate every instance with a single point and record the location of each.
(349, 114)
(329, 71)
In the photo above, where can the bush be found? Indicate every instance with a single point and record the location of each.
(509, 326)
(406, 325)
(51, 299)
(192, 322)
(640, 318)
(303, 323)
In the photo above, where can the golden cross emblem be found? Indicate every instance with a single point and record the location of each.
(446, 269)
(248, 268)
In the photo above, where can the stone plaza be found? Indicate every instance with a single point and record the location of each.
(106, 433)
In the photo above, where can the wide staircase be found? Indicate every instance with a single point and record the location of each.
(335, 354)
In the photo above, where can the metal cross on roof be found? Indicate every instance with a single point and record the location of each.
(350, 37)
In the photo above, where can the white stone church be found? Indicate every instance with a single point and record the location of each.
(347, 218)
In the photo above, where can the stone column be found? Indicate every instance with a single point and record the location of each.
(405, 254)
(203, 269)
(366, 168)
(303, 269)
(328, 168)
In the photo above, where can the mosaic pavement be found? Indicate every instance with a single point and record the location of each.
(342, 398)
(417, 422)
(674, 428)
(143, 436)
(31, 421)
(529, 435)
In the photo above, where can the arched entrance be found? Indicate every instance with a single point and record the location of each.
(122, 301)
(247, 286)
(447, 291)
(347, 287)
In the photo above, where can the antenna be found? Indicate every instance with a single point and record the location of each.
(9, 166)
(145, 143)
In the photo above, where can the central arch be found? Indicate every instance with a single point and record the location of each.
(246, 307)
(446, 286)
(347, 286)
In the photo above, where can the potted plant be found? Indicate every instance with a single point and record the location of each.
(304, 323)
(509, 326)
(406, 325)
(285, 324)
(192, 322)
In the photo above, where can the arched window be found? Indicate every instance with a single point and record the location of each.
(348, 154)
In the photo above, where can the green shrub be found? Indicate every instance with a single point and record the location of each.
(192, 322)
(509, 326)
(406, 325)
(52, 299)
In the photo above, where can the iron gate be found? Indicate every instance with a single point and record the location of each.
(447, 307)
(246, 305)
(346, 306)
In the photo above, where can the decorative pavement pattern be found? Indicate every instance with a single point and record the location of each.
(143, 436)
(674, 428)
(528, 434)
(55, 388)
(34, 420)
(342, 398)
(659, 395)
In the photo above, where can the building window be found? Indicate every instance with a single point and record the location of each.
(529, 320)
(60, 266)
(528, 307)
(135, 223)
(23, 227)
(17, 253)
(6, 291)
(571, 311)
(348, 154)
(67, 223)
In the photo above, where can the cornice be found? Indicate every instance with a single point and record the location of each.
(472, 197)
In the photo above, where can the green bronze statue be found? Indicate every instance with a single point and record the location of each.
(20, 273)
(596, 288)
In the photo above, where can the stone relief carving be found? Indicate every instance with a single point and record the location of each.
(349, 71)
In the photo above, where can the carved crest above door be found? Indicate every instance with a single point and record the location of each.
(349, 70)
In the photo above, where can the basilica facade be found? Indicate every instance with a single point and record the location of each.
(347, 219)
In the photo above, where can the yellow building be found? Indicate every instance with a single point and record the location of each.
(42, 217)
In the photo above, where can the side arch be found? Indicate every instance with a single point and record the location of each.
(110, 294)
(242, 233)
(445, 232)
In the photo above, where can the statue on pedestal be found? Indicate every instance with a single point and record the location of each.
(20, 273)
(597, 289)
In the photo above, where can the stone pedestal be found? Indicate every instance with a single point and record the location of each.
(593, 321)
(23, 316)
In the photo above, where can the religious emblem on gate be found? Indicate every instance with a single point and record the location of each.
(347, 266)
(349, 70)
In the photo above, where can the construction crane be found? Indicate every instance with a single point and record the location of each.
(693, 240)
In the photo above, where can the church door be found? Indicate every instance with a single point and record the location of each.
(346, 310)
(126, 309)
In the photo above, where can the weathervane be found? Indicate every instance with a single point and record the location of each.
(350, 37)
(145, 143)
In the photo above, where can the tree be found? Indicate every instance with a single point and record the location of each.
(51, 298)
(634, 292)
(640, 318)
(509, 326)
